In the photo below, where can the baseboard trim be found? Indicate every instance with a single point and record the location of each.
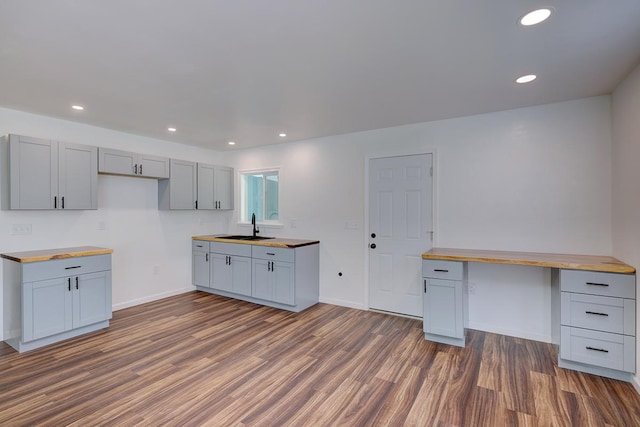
(150, 298)
(343, 303)
(635, 383)
(509, 332)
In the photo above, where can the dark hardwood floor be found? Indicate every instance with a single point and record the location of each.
(199, 359)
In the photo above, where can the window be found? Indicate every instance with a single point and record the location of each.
(259, 195)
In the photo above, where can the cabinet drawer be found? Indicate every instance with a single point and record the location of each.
(273, 254)
(437, 269)
(607, 314)
(596, 283)
(199, 246)
(35, 271)
(237, 249)
(603, 349)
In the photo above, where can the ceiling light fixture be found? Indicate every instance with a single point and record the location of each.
(535, 17)
(526, 79)
(77, 107)
(282, 135)
(231, 143)
(172, 129)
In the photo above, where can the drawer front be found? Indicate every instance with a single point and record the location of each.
(603, 349)
(43, 270)
(436, 269)
(273, 254)
(599, 313)
(237, 249)
(596, 283)
(199, 246)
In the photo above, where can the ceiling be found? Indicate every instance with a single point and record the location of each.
(247, 70)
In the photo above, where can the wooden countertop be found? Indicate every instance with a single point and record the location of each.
(566, 261)
(59, 253)
(274, 243)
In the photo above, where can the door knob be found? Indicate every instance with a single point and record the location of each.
(372, 246)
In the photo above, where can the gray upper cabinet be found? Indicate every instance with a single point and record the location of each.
(215, 187)
(45, 174)
(179, 191)
(118, 162)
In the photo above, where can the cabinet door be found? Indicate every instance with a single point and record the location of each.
(91, 298)
(443, 308)
(77, 176)
(262, 283)
(220, 274)
(200, 273)
(47, 308)
(153, 166)
(182, 185)
(33, 165)
(223, 181)
(116, 161)
(241, 275)
(205, 187)
(283, 287)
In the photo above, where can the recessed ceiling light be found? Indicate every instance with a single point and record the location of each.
(231, 143)
(77, 107)
(526, 79)
(282, 135)
(535, 17)
(172, 129)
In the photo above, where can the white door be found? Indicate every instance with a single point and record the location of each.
(400, 225)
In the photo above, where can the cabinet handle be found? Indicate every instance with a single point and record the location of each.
(597, 284)
(270, 253)
(69, 282)
(597, 314)
(55, 202)
(135, 169)
(206, 257)
(196, 204)
(62, 202)
(425, 286)
(440, 270)
(602, 350)
(229, 260)
(71, 268)
(77, 283)
(140, 168)
(269, 266)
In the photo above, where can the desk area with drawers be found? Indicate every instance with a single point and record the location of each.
(593, 305)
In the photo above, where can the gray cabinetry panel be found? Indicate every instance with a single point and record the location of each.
(47, 308)
(179, 191)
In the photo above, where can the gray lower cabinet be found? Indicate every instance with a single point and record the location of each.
(44, 174)
(50, 301)
(444, 302)
(286, 278)
(598, 322)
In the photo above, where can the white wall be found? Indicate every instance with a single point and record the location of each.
(531, 179)
(142, 237)
(626, 175)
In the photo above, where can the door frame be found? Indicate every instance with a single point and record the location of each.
(434, 199)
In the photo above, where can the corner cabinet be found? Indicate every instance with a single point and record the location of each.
(118, 162)
(285, 278)
(444, 301)
(49, 301)
(45, 174)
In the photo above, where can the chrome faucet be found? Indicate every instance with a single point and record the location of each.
(256, 230)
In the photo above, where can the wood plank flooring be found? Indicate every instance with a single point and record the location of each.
(203, 360)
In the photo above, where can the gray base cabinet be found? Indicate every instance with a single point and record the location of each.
(597, 322)
(285, 278)
(49, 301)
(444, 301)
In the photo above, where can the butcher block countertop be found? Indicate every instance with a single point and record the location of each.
(565, 261)
(60, 253)
(274, 243)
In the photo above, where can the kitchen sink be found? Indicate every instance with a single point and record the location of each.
(243, 237)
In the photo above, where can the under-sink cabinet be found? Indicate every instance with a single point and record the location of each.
(285, 278)
(49, 301)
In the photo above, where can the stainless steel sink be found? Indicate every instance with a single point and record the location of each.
(243, 237)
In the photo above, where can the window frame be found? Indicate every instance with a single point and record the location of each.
(242, 197)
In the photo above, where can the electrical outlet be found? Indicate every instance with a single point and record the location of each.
(20, 229)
